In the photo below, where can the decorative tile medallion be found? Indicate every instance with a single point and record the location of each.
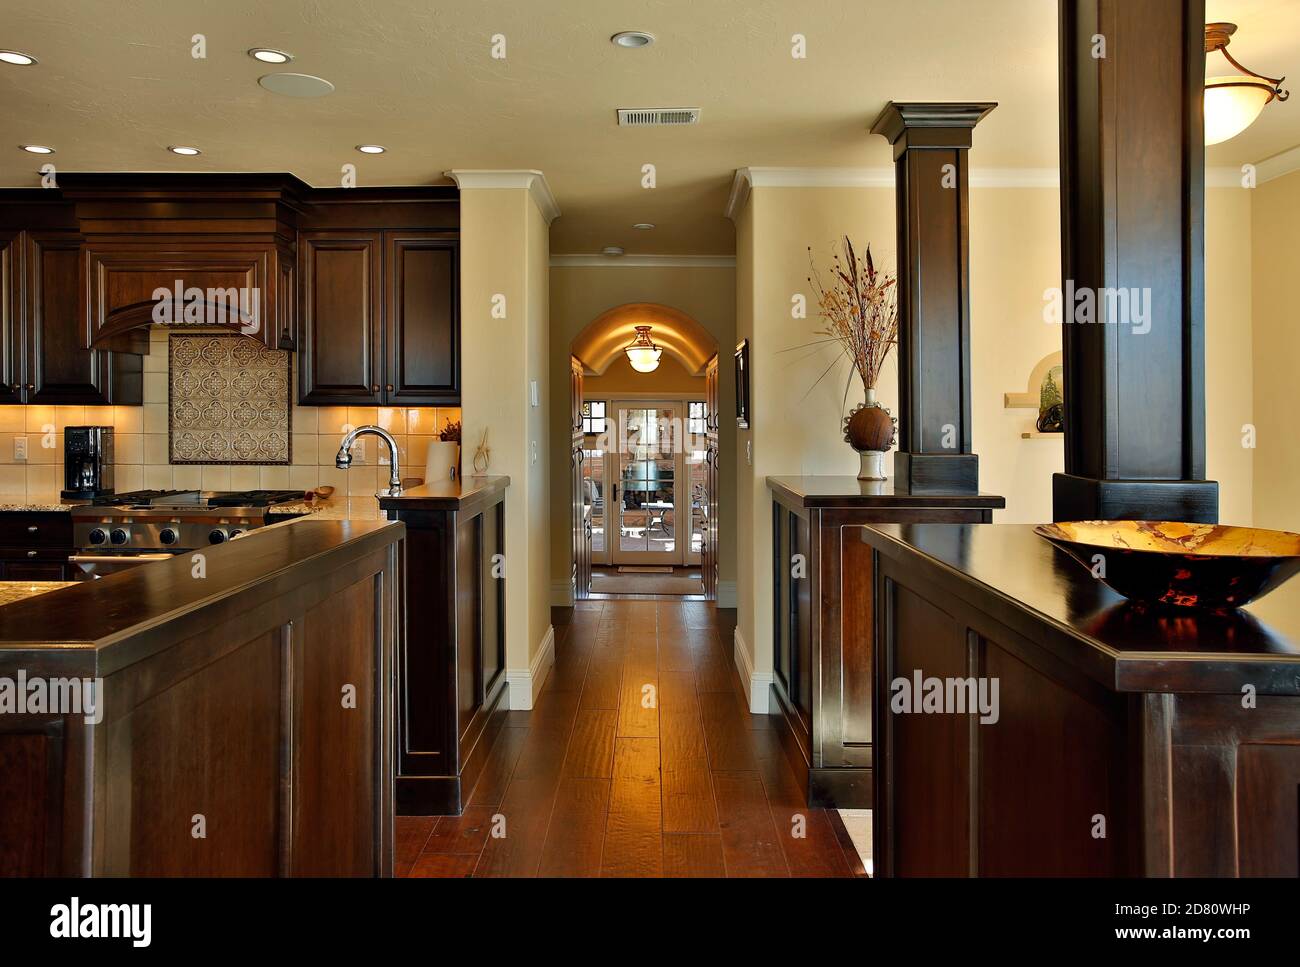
(228, 400)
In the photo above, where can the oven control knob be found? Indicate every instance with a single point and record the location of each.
(168, 535)
(217, 536)
(98, 536)
(119, 535)
(236, 533)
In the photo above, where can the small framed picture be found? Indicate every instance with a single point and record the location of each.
(742, 385)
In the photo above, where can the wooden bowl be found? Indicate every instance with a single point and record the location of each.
(323, 492)
(1210, 566)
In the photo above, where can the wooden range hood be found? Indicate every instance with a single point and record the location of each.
(146, 231)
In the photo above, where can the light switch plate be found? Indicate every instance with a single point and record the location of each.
(532, 393)
(749, 452)
(20, 447)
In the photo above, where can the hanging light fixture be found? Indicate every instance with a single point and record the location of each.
(642, 353)
(1234, 101)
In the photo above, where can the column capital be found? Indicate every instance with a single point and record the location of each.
(930, 124)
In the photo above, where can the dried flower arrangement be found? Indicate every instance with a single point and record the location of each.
(861, 310)
(450, 433)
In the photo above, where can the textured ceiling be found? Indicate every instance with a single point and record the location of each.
(117, 84)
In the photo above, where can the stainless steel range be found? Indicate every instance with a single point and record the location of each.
(122, 530)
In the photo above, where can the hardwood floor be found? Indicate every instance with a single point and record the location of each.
(639, 759)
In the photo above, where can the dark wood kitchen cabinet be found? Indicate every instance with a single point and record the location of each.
(35, 545)
(380, 320)
(42, 359)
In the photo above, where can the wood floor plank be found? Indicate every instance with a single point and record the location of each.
(604, 677)
(750, 843)
(576, 835)
(465, 833)
(445, 865)
(410, 833)
(693, 855)
(526, 814)
(591, 745)
(731, 742)
(500, 765)
(688, 804)
(634, 829)
(677, 692)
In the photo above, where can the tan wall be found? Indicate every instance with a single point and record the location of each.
(670, 377)
(1014, 257)
(578, 295)
(1275, 240)
(505, 250)
(141, 450)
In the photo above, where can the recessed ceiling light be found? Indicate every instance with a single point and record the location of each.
(268, 55)
(37, 148)
(183, 149)
(296, 85)
(632, 38)
(17, 57)
(612, 250)
(643, 226)
(371, 148)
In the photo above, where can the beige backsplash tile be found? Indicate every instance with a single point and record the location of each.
(158, 477)
(155, 418)
(124, 479)
(245, 478)
(274, 478)
(13, 480)
(331, 419)
(187, 477)
(304, 450)
(38, 453)
(13, 419)
(128, 448)
(216, 478)
(155, 449)
(304, 478)
(128, 419)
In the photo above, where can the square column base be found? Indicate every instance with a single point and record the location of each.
(936, 473)
(1085, 498)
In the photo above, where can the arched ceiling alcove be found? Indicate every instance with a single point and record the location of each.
(680, 336)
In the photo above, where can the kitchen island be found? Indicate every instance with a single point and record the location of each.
(1116, 739)
(226, 712)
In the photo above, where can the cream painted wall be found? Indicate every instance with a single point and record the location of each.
(578, 295)
(505, 250)
(1275, 240)
(1014, 256)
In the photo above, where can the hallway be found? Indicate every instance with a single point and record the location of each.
(592, 783)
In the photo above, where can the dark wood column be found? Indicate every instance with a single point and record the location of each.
(930, 146)
(1132, 220)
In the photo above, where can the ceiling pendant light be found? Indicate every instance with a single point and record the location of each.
(1234, 101)
(642, 353)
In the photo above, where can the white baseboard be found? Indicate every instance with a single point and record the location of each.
(561, 594)
(726, 594)
(756, 683)
(526, 684)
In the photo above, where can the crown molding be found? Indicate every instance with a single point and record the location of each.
(1277, 166)
(529, 178)
(644, 261)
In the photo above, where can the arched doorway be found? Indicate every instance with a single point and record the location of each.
(644, 456)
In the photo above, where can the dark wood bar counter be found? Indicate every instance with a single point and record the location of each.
(1125, 740)
(222, 713)
(821, 640)
(451, 664)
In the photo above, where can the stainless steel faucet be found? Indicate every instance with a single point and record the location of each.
(344, 458)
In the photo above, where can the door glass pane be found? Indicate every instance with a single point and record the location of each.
(646, 507)
(695, 477)
(593, 494)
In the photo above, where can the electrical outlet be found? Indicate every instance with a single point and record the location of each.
(749, 452)
(20, 448)
(534, 452)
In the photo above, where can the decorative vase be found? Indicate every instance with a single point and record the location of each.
(870, 430)
(441, 462)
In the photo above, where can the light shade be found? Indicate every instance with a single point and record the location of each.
(1231, 106)
(643, 354)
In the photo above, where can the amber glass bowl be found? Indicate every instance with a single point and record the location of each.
(1188, 565)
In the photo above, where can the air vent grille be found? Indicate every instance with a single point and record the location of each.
(642, 116)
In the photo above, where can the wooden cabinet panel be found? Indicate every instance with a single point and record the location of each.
(59, 369)
(11, 288)
(341, 326)
(421, 318)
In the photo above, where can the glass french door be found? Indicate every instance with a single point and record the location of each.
(644, 520)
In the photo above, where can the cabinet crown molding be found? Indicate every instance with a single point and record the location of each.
(530, 178)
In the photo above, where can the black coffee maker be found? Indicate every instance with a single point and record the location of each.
(87, 461)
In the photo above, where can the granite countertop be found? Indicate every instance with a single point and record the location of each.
(35, 503)
(11, 591)
(333, 508)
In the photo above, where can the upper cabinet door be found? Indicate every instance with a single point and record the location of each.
(422, 318)
(340, 348)
(59, 369)
(11, 291)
